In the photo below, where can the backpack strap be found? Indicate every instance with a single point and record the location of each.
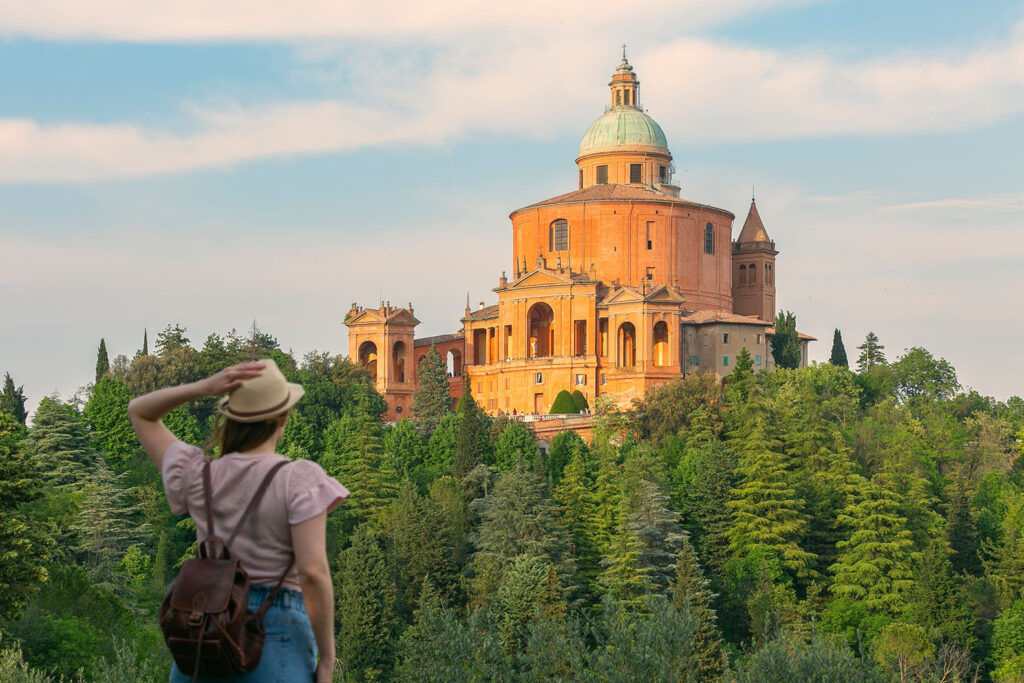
(269, 600)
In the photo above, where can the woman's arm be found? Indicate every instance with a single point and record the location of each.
(309, 539)
(147, 410)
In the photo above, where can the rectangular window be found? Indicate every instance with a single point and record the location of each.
(602, 175)
(758, 339)
(581, 178)
(695, 361)
(479, 388)
(725, 338)
(662, 175)
(650, 235)
(579, 337)
(635, 173)
(709, 239)
(602, 326)
(506, 341)
(704, 340)
(757, 361)
(604, 378)
(725, 361)
(539, 378)
(650, 272)
(581, 379)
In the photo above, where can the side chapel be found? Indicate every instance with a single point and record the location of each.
(616, 287)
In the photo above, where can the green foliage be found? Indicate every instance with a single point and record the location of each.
(102, 362)
(903, 649)
(12, 400)
(353, 455)
(936, 601)
(471, 441)
(786, 341)
(822, 660)
(743, 368)
(919, 374)
(661, 538)
(962, 532)
(365, 606)
(666, 410)
(563, 404)
(432, 399)
(1008, 634)
(564, 447)
(60, 444)
(838, 356)
(515, 448)
(440, 457)
(692, 596)
(579, 401)
(872, 354)
(106, 411)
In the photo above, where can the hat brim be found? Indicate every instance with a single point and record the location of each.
(295, 392)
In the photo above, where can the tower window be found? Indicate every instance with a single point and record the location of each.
(662, 175)
(581, 178)
(753, 273)
(635, 173)
(743, 275)
(650, 235)
(602, 175)
(559, 235)
(709, 239)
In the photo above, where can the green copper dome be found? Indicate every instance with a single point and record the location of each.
(623, 126)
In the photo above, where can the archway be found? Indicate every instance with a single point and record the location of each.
(398, 361)
(627, 345)
(454, 363)
(541, 337)
(661, 343)
(368, 357)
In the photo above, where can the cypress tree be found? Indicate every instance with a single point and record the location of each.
(432, 399)
(160, 563)
(838, 356)
(12, 400)
(471, 441)
(786, 342)
(144, 351)
(875, 560)
(691, 594)
(365, 606)
(962, 532)
(871, 353)
(102, 362)
(517, 601)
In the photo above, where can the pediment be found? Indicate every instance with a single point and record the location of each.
(663, 294)
(375, 316)
(541, 277)
(624, 295)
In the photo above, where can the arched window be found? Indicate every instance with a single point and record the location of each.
(559, 235)
(627, 345)
(368, 357)
(753, 273)
(709, 239)
(661, 343)
(398, 361)
(541, 339)
(743, 275)
(454, 359)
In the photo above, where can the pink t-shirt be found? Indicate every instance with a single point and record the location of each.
(299, 491)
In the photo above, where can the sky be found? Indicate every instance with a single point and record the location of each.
(214, 164)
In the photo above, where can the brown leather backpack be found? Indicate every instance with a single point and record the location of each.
(205, 614)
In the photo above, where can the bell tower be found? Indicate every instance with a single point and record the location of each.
(381, 340)
(753, 269)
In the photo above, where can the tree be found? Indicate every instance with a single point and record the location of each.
(692, 595)
(661, 538)
(365, 606)
(872, 354)
(144, 351)
(743, 368)
(962, 532)
(515, 447)
(786, 342)
(579, 401)
(935, 600)
(904, 649)
(918, 374)
(621, 578)
(564, 447)
(102, 362)
(12, 400)
(432, 399)
(1008, 636)
(353, 456)
(518, 600)
(703, 482)
(24, 545)
(60, 445)
(789, 658)
(173, 337)
(574, 493)
(666, 410)
(765, 508)
(471, 441)
(106, 411)
(563, 404)
(875, 560)
(838, 356)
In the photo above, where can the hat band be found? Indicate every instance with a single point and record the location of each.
(270, 410)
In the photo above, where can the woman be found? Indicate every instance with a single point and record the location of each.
(291, 518)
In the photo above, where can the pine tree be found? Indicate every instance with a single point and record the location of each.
(364, 606)
(12, 400)
(24, 544)
(691, 594)
(106, 411)
(936, 601)
(471, 442)
(962, 532)
(706, 477)
(871, 353)
(1004, 562)
(518, 519)
(875, 561)
(766, 510)
(661, 538)
(60, 444)
(577, 500)
(354, 457)
(838, 356)
(432, 399)
(517, 601)
(622, 578)
(743, 368)
(564, 448)
(102, 362)
(786, 341)
(440, 456)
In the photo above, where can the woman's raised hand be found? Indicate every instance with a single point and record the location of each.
(232, 377)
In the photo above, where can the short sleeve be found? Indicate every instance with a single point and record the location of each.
(311, 492)
(181, 464)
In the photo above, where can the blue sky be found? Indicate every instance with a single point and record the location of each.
(215, 163)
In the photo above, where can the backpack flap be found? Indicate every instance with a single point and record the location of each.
(204, 586)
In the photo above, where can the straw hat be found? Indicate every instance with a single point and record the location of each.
(263, 397)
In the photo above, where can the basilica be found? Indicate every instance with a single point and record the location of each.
(615, 287)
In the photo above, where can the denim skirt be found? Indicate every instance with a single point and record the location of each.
(289, 651)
